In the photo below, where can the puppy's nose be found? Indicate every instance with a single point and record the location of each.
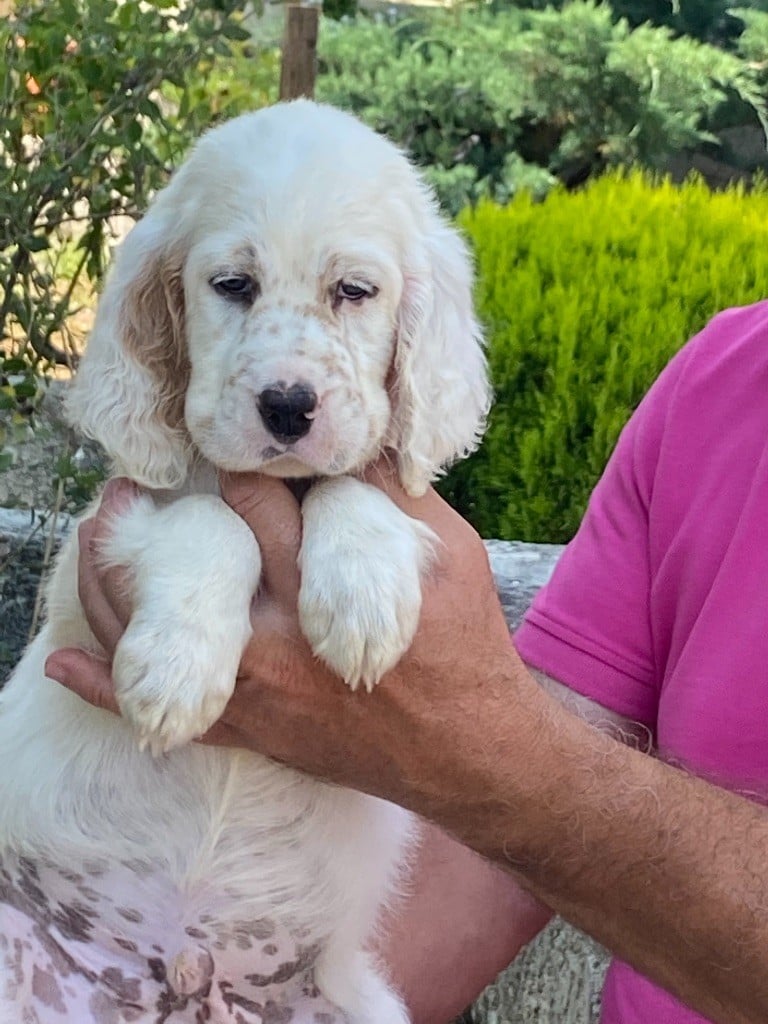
(286, 412)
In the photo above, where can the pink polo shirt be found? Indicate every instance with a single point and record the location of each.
(658, 608)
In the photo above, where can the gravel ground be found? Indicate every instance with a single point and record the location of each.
(27, 489)
(19, 581)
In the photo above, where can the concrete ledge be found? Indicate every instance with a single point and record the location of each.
(19, 524)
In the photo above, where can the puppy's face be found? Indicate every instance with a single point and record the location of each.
(291, 303)
(290, 331)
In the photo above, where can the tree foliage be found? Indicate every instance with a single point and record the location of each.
(97, 102)
(494, 103)
(710, 21)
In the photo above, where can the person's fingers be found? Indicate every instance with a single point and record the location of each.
(222, 735)
(84, 674)
(105, 593)
(106, 625)
(383, 474)
(116, 498)
(274, 515)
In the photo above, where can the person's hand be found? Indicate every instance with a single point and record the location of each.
(408, 733)
(288, 705)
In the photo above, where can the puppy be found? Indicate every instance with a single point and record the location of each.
(292, 303)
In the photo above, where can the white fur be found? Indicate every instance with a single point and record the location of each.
(299, 197)
(360, 594)
(176, 663)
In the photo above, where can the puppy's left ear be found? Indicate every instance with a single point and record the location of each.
(128, 393)
(441, 393)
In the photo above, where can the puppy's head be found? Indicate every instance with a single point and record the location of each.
(291, 303)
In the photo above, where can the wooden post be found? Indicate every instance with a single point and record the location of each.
(299, 65)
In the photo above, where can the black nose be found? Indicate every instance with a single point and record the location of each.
(285, 411)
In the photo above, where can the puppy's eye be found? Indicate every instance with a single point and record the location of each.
(353, 291)
(237, 287)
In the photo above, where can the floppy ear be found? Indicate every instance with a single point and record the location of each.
(441, 392)
(129, 390)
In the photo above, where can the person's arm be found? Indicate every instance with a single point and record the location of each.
(466, 918)
(608, 721)
(669, 872)
(462, 920)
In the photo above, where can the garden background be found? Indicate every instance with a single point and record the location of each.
(606, 162)
(552, 133)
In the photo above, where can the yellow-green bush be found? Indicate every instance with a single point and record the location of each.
(585, 297)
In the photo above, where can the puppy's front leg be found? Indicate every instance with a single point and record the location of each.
(194, 568)
(362, 560)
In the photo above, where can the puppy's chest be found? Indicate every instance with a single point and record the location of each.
(112, 943)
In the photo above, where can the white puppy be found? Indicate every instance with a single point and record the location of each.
(292, 303)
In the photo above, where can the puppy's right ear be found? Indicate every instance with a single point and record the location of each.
(129, 390)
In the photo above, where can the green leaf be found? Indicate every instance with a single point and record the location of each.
(35, 243)
(25, 389)
(231, 30)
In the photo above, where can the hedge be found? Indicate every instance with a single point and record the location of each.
(585, 297)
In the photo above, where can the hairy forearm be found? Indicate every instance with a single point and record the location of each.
(667, 871)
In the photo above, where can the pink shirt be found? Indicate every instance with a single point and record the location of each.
(658, 606)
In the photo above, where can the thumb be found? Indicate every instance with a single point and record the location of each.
(84, 674)
(274, 515)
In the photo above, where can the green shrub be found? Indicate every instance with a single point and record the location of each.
(492, 104)
(711, 21)
(585, 298)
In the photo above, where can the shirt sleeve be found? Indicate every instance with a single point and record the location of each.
(590, 626)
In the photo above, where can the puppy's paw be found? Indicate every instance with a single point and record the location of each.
(172, 681)
(361, 630)
(362, 560)
(194, 567)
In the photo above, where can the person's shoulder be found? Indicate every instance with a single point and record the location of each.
(714, 394)
(739, 319)
(714, 390)
(726, 363)
(735, 340)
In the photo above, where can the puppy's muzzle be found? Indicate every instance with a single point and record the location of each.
(287, 411)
